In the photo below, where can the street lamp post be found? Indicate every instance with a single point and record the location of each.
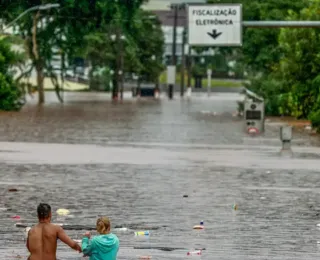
(38, 7)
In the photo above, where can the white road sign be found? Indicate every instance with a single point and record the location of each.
(215, 25)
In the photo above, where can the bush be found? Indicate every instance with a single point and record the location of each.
(10, 91)
(315, 120)
(10, 95)
(279, 101)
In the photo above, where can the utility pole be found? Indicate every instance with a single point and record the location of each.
(174, 36)
(189, 67)
(174, 45)
(183, 62)
(121, 76)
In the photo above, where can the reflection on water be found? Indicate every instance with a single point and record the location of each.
(97, 122)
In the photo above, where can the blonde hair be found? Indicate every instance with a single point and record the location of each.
(103, 225)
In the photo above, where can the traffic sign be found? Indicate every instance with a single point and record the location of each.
(215, 25)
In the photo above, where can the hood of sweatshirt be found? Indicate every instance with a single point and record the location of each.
(106, 243)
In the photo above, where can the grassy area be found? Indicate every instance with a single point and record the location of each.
(214, 82)
(68, 85)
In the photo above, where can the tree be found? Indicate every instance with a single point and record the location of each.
(261, 53)
(48, 29)
(143, 45)
(10, 93)
(149, 39)
(300, 63)
(260, 45)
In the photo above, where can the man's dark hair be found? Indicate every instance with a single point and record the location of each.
(43, 210)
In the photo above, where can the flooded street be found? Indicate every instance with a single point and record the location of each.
(137, 161)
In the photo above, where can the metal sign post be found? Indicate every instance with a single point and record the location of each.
(171, 80)
(209, 73)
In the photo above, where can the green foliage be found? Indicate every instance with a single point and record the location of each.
(10, 93)
(269, 88)
(315, 119)
(260, 49)
(147, 34)
(83, 28)
(300, 63)
(143, 45)
(283, 64)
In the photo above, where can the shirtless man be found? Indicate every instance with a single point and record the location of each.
(42, 238)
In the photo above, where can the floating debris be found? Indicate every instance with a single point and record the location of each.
(197, 252)
(168, 249)
(198, 227)
(142, 233)
(63, 212)
(20, 225)
(121, 229)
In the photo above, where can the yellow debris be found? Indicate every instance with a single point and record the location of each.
(63, 212)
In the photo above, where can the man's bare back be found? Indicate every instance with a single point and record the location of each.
(42, 240)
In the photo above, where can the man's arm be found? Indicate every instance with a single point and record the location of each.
(67, 240)
(28, 241)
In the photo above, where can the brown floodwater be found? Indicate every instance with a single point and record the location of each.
(136, 161)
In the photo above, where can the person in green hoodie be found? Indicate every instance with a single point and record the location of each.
(104, 246)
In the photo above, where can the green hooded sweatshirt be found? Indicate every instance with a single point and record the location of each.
(102, 247)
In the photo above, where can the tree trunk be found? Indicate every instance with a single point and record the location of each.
(121, 78)
(63, 68)
(39, 67)
(40, 83)
(139, 86)
(115, 87)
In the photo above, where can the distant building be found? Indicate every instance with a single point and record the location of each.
(167, 20)
(161, 8)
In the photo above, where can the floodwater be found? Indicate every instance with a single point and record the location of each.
(135, 162)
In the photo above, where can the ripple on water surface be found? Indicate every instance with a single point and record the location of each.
(273, 222)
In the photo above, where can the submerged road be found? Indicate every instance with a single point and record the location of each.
(136, 161)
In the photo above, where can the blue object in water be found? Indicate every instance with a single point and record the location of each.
(201, 223)
(142, 233)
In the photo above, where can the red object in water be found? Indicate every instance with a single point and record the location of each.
(198, 252)
(253, 130)
(16, 217)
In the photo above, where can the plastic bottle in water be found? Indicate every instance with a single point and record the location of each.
(121, 229)
(197, 252)
(142, 233)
